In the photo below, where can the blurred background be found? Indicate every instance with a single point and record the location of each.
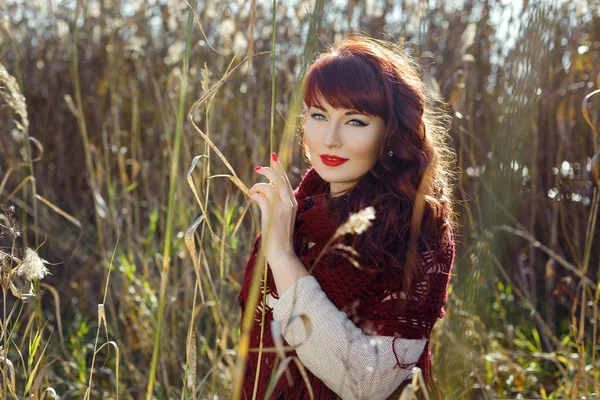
(99, 160)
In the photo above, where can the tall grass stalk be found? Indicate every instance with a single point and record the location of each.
(589, 236)
(103, 323)
(189, 379)
(174, 180)
(24, 127)
(77, 110)
(309, 50)
(5, 346)
(11, 92)
(265, 234)
(310, 47)
(273, 76)
(254, 286)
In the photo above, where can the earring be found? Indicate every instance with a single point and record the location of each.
(390, 153)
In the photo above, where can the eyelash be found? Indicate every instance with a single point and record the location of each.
(360, 123)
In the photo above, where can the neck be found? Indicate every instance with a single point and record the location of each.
(336, 193)
(337, 190)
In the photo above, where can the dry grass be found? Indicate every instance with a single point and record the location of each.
(150, 259)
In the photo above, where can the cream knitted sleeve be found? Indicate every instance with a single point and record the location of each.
(352, 364)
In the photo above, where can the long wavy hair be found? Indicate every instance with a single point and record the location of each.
(411, 190)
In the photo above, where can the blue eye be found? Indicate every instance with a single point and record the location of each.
(358, 122)
(317, 115)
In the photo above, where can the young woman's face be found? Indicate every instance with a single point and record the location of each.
(343, 144)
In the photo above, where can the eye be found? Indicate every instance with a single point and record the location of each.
(357, 122)
(318, 116)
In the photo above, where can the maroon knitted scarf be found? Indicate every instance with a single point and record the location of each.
(366, 296)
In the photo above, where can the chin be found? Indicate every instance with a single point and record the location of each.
(335, 178)
(328, 174)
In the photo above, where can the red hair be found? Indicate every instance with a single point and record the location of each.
(410, 190)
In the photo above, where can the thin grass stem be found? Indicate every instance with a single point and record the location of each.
(173, 184)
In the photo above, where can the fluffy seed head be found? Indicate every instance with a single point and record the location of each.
(33, 266)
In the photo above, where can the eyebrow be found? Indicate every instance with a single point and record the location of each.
(351, 112)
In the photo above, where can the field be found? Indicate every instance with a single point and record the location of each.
(129, 131)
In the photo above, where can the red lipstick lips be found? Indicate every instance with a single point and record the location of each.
(331, 160)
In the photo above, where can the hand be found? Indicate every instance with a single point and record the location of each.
(278, 208)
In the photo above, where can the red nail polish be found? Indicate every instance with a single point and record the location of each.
(274, 157)
(257, 168)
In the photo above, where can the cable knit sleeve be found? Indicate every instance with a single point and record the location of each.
(352, 364)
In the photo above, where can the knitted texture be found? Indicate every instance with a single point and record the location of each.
(367, 296)
(352, 364)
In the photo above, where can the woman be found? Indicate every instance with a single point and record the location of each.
(374, 139)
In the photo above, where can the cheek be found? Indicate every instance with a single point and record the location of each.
(372, 144)
(366, 148)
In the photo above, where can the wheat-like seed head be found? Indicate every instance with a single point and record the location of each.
(205, 81)
(4, 278)
(357, 223)
(10, 91)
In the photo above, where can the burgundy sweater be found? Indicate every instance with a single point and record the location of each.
(367, 297)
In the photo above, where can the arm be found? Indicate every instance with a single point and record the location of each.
(352, 364)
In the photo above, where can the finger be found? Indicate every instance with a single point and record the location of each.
(264, 205)
(264, 188)
(261, 200)
(277, 181)
(277, 167)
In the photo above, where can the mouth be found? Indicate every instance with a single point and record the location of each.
(332, 161)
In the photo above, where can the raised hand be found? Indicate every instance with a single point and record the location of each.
(278, 208)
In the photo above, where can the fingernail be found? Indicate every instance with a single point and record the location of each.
(257, 168)
(274, 157)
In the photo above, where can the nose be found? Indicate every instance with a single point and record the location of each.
(331, 138)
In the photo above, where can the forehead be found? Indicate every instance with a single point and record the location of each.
(346, 83)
